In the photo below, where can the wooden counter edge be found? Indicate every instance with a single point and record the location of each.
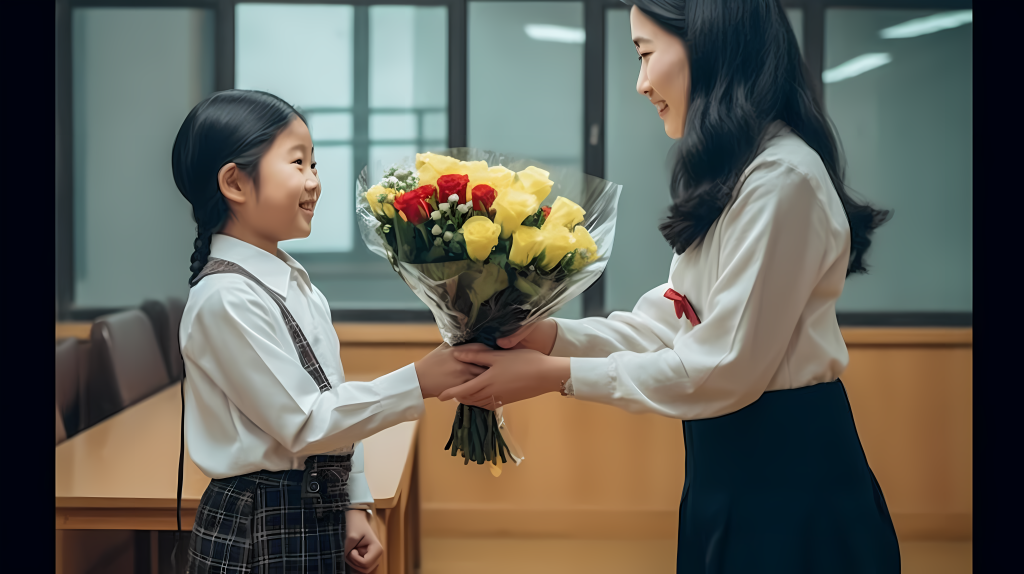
(403, 482)
(423, 333)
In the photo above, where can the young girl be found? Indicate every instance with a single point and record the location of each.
(742, 342)
(267, 410)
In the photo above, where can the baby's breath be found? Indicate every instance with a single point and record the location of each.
(400, 179)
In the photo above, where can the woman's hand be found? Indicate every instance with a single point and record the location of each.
(511, 376)
(440, 370)
(539, 336)
(362, 549)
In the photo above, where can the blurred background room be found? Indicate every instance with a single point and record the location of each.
(380, 80)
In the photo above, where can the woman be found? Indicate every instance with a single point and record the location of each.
(742, 342)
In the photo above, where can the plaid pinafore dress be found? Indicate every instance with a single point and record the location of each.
(283, 522)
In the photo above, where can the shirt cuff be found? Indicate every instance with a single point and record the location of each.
(359, 490)
(591, 379)
(400, 393)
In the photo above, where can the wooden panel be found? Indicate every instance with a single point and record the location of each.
(388, 333)
(592, 471)
(913, 408)
(76, 330)
(907, 336)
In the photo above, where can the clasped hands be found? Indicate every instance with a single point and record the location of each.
(477, 375)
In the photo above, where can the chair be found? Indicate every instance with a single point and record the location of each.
(166, 318)
(69, 385)
(61, 435)
(175, 310)
(126, 365)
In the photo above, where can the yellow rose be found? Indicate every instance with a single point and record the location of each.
(470, 168)
(439, 163)
(585, 244)
(379, 207)
(373, 197)
(586, 249)
(481, 236)
(564, 213)
(498, 177)
(511, 208)
(557, 242)
(430, 166)
(428, 175)
(535, 181)
(527, 243)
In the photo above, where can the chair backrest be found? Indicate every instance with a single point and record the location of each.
(166, 318)
(175, 310)
(156, 312)
(126, 364)
(61, 435)
(69, 384)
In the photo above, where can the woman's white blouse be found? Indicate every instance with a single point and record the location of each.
(249, 404)
(764, 283)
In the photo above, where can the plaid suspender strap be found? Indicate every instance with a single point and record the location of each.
(306, 357)
(305, 350)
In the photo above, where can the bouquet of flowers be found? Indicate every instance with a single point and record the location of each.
(491, 244)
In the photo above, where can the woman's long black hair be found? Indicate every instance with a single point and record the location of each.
(233, 126)
(745, 72)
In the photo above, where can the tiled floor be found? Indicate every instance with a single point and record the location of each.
(536, 556)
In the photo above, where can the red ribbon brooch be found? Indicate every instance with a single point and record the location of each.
(683, 307)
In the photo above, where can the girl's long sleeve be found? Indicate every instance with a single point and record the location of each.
(261, 394)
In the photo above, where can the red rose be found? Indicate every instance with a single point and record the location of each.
(452, 184)
(547, 211)
(414, 204)
(483, 197)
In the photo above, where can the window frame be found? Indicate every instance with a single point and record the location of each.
(593, 105)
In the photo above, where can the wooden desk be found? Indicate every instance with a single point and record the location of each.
(122, 475)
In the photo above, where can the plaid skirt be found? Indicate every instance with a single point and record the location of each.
(283, 522)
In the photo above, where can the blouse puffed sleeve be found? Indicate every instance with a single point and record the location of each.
(643, 330)
(233, 339)
(775, 242)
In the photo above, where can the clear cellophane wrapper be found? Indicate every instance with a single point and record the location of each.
(466, 297)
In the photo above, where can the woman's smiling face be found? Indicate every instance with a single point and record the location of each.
(664, 71)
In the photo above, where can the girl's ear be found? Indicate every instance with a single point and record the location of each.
(230, 180)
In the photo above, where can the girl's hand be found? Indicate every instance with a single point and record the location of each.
(539, 336)
(362, 549)
(440, 370)
(511, 376)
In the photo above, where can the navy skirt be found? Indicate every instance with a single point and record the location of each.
(782, 485)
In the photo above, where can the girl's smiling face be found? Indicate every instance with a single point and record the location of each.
(280, 205)
(664, 71)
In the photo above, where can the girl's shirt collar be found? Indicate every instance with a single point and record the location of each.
(273, 271)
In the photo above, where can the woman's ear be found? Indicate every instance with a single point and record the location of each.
(232, 183)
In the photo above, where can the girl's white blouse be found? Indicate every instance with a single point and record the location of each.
(764, 283)
(249, 404)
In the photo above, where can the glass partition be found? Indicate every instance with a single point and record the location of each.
(898, 85)
(374, 86)
(136, 73)
(525, 84)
